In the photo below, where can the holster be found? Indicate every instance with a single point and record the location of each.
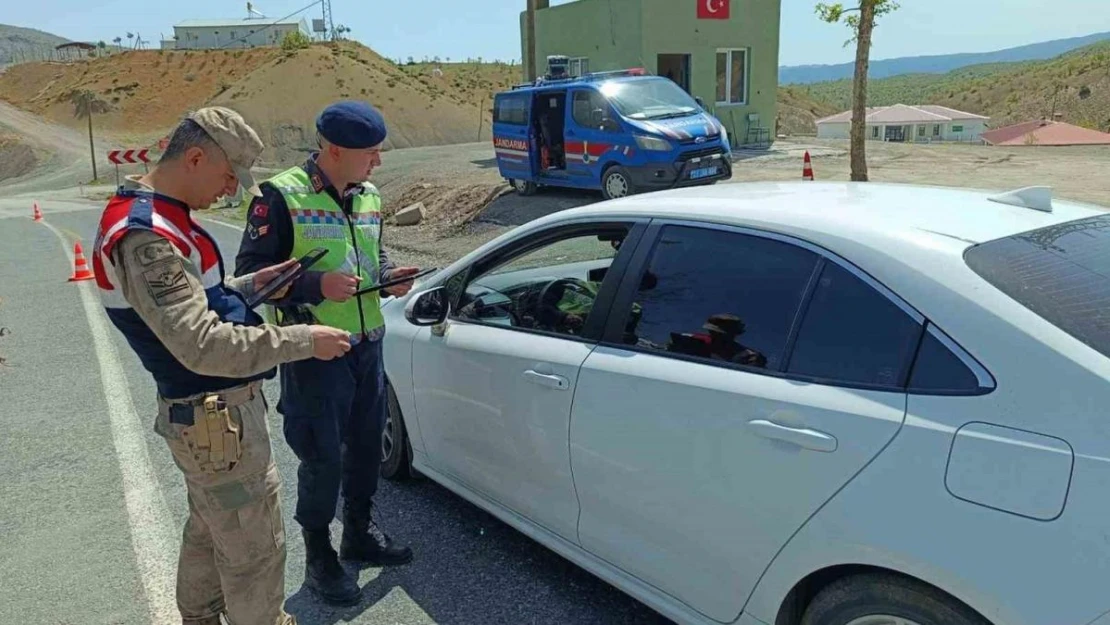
(214, 437)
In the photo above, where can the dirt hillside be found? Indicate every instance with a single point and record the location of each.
(279, 92)
(16, 157)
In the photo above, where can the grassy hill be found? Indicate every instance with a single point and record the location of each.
(19, 44)
(938, 64)
(280, 93)
(1075, 84)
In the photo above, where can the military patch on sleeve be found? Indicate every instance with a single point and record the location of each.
(167, 282)
(150, 253)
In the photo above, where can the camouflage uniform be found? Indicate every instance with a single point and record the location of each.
(164, 289)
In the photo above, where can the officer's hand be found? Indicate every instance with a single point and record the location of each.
(400, 290)
(338, 286)
(262, 277)
(328, 343)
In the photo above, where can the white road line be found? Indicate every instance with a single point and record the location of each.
(223, 223)
(152, 535)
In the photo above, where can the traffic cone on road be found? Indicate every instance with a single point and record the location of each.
(807, 168)
(38, 213)
(80, 267)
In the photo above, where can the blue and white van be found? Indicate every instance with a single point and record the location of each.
(618, 132)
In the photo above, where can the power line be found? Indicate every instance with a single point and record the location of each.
(274, 23)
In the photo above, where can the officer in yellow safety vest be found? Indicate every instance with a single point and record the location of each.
(334, 411)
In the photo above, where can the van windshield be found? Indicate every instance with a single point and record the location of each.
(1059, 272)
(656, 98)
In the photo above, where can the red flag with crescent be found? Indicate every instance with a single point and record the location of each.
(713, 9)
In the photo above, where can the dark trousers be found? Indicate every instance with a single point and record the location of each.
(334, 414)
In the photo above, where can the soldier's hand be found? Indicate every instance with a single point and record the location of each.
(262, 277)
(402, 289)
(338, 286)
(329, 343)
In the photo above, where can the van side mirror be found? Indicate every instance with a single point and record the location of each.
(427, 308)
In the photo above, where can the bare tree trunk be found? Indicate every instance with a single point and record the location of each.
(92, 150)
(859, 91)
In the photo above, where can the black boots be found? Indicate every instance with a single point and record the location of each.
(363, 542)
(323, 573)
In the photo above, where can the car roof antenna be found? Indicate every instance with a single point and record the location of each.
(1036, 198)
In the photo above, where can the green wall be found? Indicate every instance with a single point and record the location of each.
(616, 34)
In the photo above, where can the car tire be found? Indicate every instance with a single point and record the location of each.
(396, 449)
(616, 183)
(867, 598)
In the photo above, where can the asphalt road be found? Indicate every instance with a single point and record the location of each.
(91, 504)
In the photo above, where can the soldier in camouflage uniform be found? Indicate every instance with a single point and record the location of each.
(161, 279)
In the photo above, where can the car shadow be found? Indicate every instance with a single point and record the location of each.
(485, 163)
(469, 567)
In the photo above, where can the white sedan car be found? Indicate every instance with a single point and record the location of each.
(780, 404)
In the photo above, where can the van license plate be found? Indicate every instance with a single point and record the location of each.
(703, 173)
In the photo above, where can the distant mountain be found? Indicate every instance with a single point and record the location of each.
(19, 44)
(939, 64)
(1074, 85)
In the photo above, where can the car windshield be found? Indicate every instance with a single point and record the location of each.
(1060, 272)
(654, 98)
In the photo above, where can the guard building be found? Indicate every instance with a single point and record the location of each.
(233, 33)
(725, 52)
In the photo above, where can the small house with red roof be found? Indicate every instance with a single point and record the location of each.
(1045, 132)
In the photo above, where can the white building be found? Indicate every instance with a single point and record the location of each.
(919, 124)
(233, 33)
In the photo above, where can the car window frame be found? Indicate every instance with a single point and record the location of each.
(515, 248)
(621, 308)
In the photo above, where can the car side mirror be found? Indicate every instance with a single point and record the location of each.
(427, 308)
(700, 102)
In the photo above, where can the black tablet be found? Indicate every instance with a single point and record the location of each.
(389, 283)
(287, 276)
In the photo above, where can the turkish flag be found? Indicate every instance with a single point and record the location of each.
(713, 9)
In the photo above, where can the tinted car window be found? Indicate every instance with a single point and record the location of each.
(511, 109)
(938, 370)
(1061, 272)
(718, 295)
(854, 334)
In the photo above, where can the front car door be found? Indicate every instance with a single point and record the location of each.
(744, 378)
(592, 132)
(493, 385)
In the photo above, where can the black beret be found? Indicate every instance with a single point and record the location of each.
(352, 124)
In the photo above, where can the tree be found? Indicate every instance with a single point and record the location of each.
(85, 105)
(862, 24)
(118, 41)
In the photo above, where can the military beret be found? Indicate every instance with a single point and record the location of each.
(352, 124)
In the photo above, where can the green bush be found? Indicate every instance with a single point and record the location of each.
(294, 41)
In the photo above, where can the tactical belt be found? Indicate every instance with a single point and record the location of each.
(231, 397)
(212, 435)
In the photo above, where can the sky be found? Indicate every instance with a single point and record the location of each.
(451, 28)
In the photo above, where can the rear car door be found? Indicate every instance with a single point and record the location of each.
(493, 386)
(512, 136)
(744, 378)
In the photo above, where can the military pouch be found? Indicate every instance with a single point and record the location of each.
(214, 438)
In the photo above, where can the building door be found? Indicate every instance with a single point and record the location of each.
(895, 133)
(676, 67)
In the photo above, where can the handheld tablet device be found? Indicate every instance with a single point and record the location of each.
(389, 283)
(287, 276)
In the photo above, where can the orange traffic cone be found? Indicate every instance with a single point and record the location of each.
(38, 213)
(80, 267)
(807, 168)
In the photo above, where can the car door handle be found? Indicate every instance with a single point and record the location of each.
(545, 379)
(802, 437)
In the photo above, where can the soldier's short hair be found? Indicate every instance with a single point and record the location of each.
(188, 134)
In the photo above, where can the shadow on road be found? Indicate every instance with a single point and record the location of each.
(485, 163)
(468, 568)
(513, 209)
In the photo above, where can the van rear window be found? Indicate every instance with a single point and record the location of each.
(511, 109)
(1061, 272)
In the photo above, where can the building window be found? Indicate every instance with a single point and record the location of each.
(936, 130)
(956, 128)
(732, 76)
(921, 131)
(579, 66)
(874, 132)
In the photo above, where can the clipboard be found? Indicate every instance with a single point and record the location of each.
(389, 283)
(287, 276)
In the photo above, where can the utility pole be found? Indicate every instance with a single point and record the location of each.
(328, 23)
(530, 52)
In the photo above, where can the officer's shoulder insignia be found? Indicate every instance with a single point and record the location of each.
(167, 282)
(150, 253)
